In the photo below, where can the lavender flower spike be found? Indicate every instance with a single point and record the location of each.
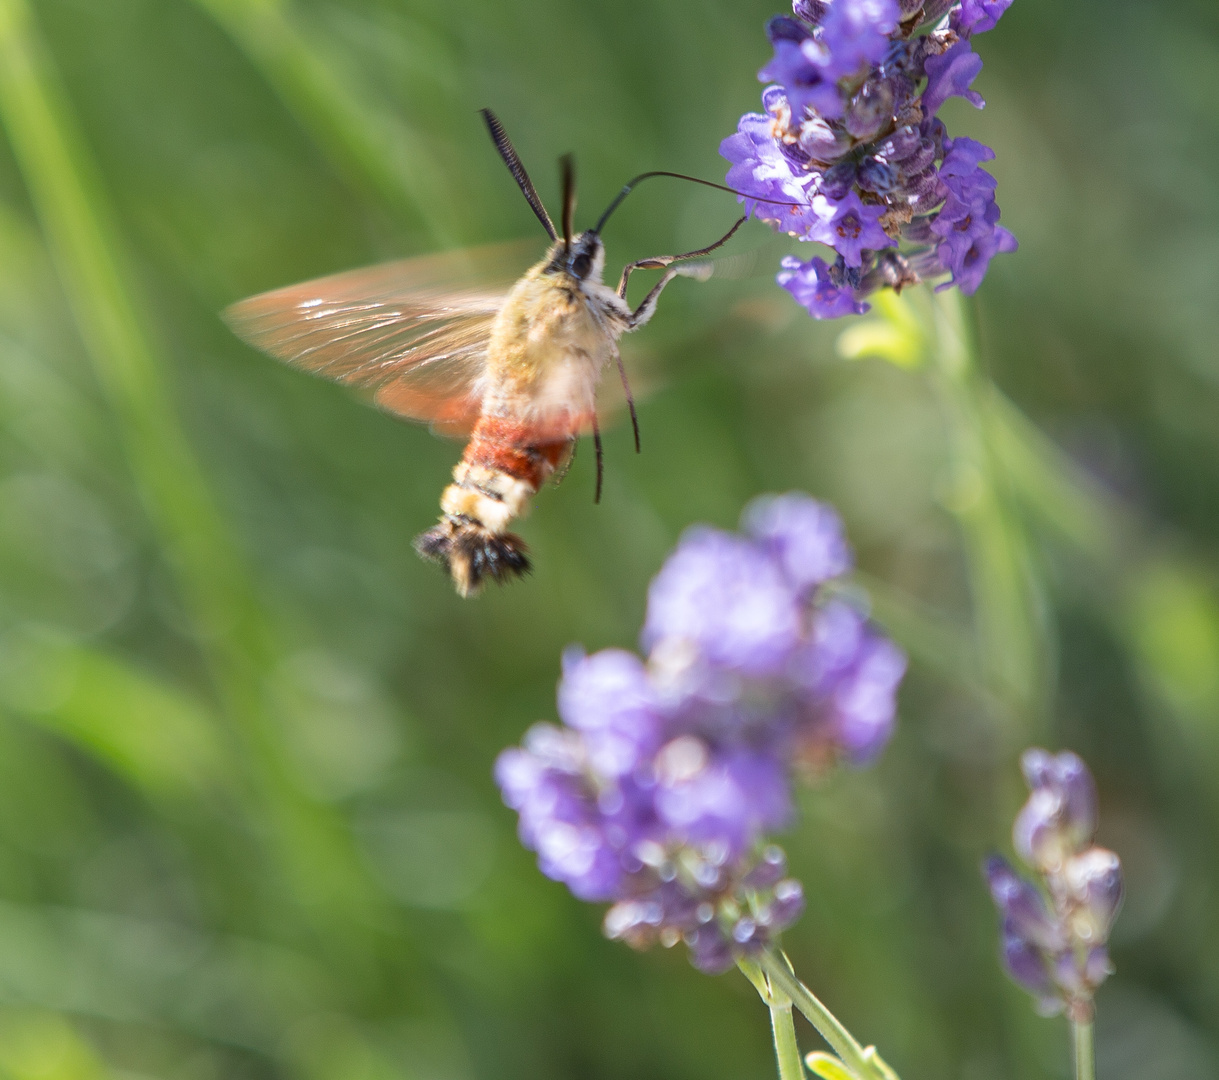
(1054, 936)
(849, 140)
(659, 792)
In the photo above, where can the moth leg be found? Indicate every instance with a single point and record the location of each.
(648, 308)
(563, 466)
(630, 398)
(659, 262)
(600, 458)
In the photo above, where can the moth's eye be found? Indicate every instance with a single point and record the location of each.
(581, 265)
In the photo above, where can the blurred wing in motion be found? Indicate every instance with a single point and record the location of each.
(414, 332)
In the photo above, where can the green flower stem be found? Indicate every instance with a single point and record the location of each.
(843, 1043)
(787, 1050)
(1085, 1065)
(996, 546)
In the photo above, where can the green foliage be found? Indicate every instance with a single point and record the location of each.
(247, 825)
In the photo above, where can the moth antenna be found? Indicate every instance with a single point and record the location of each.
(567, 165)
(600, 459)
(508, 152)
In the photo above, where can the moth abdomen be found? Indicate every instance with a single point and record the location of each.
(471, 553)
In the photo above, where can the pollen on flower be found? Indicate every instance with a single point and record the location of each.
(661, 788)
(849, 151)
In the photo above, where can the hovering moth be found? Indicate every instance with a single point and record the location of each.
(514, 372)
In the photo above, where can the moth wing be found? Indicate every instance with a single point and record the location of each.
(413, 332)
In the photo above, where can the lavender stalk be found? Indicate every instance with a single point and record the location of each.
(1055, 931)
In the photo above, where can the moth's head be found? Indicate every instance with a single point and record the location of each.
(583, 259)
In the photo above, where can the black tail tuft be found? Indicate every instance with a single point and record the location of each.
(471, 554)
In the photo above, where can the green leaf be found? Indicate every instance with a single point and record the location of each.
(827, 1066)
(894, 334)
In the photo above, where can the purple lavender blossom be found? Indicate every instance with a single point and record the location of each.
(854, 35)
(818, 288)
(1054, 936)
(951, 74)
(848, 226)
(797, 66)
(977, 16)
(660, 789)
(849, 151)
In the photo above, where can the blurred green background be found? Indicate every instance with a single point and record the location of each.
(247, 822)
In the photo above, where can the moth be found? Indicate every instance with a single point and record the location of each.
(514, 372)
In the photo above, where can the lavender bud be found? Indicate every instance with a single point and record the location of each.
(1022, 906)
(811, 11)
(920, 157)
(1098, 967)
(870, 110)
(785, 28)
(710, 951)
(1059, 818)
(1094, 880)
(787, 904)
(744, 930)
(837, 180)
(900, 145)
(770, 869)
(918, 230)
(822, 141)
(877, 176)
(1025, 964)
(926, 196)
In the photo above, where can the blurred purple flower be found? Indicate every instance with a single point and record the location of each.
(797, 66)
(806, 538)
(609, 698)
(729, 599)
(660, 790)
